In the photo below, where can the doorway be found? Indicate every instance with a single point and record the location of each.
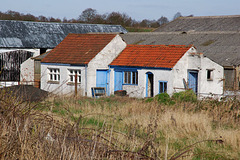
(149, 84)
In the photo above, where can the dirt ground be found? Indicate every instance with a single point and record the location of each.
(25, 92)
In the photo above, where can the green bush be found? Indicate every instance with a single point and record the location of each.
(148, 100)
(185, 96)
(164, 98)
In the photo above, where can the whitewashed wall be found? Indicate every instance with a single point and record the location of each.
(63, 87)
(27, 72)
(194, 61)
(191, 60)
(102, 60)
(211, 88)
(139, 90)
(27, 68)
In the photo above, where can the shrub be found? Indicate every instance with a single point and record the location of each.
(185, 96)
(164, 98)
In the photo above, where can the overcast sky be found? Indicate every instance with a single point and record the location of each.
(137, 9)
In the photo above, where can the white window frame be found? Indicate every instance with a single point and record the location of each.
(54, 74)
(72, 73)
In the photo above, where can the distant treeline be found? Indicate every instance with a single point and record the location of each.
(91, 16)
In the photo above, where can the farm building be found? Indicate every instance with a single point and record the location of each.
(221, 47)
(21, 40)
(147, 70)
(85, 55)
(105, 60)
(216, 36)
(202, 24)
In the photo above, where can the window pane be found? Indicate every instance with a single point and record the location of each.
(161, 87)
(209, 74)
(165, 87)
(125, 77)
(129, 77)
(136, 77)
(133, 77)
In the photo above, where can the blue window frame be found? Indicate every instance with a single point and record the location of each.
(131, 77)
(162, 87)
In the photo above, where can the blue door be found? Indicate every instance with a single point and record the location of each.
(193, 80)
(118, 80)
(102, 79)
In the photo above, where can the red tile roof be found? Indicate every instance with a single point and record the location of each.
(160, 56)
(78, 48)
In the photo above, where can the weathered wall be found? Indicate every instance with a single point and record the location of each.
(102, 60)
(175, 77)
(201, 64)
(212, 87)
(63, 87)
(27, 68)
(27, 72)
(139, 90)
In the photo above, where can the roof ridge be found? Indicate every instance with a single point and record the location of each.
(160, 45)
(180, 32)
(60, 23)
(219, 16)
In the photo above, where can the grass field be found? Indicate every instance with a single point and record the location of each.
(119, 128)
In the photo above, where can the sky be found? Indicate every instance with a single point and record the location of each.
(136, 9)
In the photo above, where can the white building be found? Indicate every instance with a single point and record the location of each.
(84, 55)
(105, 60)
(147, 70)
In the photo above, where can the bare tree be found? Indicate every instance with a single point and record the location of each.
(42, 19)
(178, 14)
(119, 18)
(163, 20)
(88, 15)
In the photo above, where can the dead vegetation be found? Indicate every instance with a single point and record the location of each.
(118, 128)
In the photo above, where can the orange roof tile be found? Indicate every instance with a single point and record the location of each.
(159, 56)
(78, 48)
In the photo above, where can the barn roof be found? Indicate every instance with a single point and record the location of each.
(156, 56)
(221, 47)
(202, 23)
(78, 49)
(25, 34)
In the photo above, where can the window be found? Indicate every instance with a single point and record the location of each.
(162, 87)
(54, 74)
(130, 77)
(209, 75)
(72, 73)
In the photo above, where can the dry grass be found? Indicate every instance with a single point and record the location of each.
(118, 128)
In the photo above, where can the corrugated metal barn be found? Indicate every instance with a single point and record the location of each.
(20, 40)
